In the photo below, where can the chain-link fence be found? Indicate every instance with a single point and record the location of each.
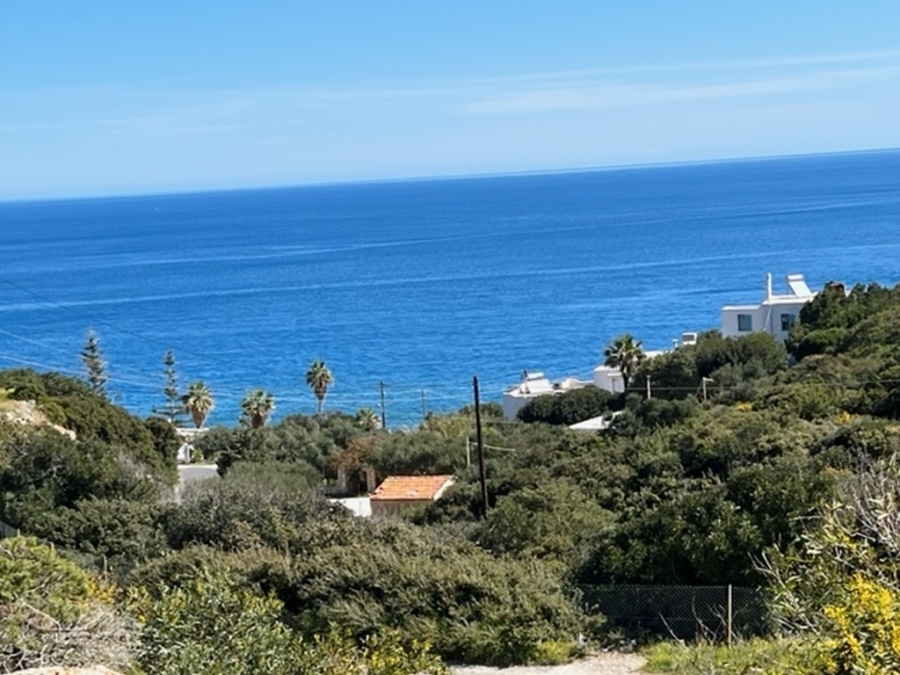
(7, 530)
(683, 612)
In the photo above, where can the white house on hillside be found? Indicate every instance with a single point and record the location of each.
(533, 385)
(774, 315)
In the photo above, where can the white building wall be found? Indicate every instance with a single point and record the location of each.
(512, 404)
(608, 378)
(730, 326)
(774, 315)
(765, 317)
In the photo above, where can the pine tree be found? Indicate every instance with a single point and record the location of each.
(92, 357)
(173, 410)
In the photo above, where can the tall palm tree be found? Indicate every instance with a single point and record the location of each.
(198, 401)
(624, 353)
(257, 406)
(318, 377)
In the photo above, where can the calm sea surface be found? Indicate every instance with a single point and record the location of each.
(424, 284)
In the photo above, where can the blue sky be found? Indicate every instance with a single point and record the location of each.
(114, 98)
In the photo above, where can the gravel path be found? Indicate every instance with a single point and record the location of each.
(601, 664)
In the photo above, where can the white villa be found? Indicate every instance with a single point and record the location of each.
(536, 384)
(533, 385)
(774, 315)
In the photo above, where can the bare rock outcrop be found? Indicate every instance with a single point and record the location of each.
(28, 413)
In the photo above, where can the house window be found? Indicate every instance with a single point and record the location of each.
(745, 323)
(787, 320)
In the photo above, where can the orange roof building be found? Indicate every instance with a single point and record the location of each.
(399, 492)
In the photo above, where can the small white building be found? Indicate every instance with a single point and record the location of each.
(774, 315)
(609, 378)
(187, 436)
(534, 384)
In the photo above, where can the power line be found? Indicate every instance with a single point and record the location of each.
(94, 320)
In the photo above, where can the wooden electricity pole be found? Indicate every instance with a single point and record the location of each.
(383, 412)
(481, 474)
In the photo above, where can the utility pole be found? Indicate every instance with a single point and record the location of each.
(424, 414)
(703, 382)
(648, 387)
(481, 475)
(383, 411)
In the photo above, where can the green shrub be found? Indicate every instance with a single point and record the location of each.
(567, 408)
(473, 607)
(368, 577)
(215, 626)
(253, 505)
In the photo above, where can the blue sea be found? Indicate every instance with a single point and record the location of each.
(423, 284)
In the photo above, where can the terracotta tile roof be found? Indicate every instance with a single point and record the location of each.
(418, 488)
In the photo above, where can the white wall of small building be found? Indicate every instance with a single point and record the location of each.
(774, 318)
(774, 315)
(609, 378)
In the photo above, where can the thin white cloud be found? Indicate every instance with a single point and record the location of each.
(586, 95)
(158, 112)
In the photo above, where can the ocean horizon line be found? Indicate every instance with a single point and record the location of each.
(439, 178)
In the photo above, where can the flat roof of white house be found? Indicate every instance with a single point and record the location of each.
(799, 292)
(535, 384)
(740, 307)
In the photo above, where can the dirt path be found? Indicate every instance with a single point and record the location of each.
(601, 664)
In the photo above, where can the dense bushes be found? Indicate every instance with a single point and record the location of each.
(71, 404)
(254, 505)
(213, 625)
(568, 408)
(83, 495)
(367, 577)
(474, 608)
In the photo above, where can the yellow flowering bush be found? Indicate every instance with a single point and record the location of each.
(864, 630)
(52, 613)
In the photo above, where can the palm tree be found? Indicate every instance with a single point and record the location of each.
(318, 377)
(368, 419)
(257, 406)
(198, 401)
(624, 353)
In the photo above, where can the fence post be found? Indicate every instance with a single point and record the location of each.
(730, 615)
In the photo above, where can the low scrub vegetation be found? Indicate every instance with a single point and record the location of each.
(752, 464)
